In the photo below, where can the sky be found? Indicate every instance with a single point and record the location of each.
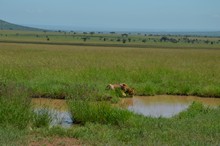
(115, 15)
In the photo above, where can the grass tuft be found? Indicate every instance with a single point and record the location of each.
(42, 118)
(97, 112)
(196, 108)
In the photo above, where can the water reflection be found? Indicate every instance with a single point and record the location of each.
(166, 106)
(58, 118)
(57, 109)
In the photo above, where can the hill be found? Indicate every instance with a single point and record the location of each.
(10, 26)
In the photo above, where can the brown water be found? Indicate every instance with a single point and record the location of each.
(58, 104)
(165, 105)
(155, 106)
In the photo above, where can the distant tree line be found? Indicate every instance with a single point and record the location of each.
(120, 37)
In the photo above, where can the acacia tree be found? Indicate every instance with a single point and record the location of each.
(92, 33)
(84, 39)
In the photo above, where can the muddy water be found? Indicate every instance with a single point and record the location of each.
(57, 104)
(155, 106)
(165, 105)
(57, 110)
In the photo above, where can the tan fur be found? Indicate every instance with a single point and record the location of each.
(113, 86)
(130, 91)
(124, 87)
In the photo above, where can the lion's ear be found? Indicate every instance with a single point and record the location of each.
(123, 84)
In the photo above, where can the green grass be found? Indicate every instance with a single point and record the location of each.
(97, 112)
(15, 107)
(42, 118)
(66, 71)
(198, 125)
(16, 115)
(11, 136)
(81, 73)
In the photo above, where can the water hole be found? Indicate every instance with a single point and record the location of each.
(154, 106)
(165, 105)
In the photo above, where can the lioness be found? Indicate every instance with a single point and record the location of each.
(112, 86)
(128, 90)
(124, 88)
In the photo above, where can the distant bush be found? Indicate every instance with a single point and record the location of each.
(144, 40)
(166, 39)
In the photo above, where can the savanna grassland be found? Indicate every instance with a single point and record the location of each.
(51, 69)
(79, 70)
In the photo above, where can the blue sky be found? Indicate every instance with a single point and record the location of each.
(149, 15)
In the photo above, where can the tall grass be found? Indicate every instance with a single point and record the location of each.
(193, 110)
(42, 118)
(15, 107)
(63, 71)
(97, 112)
(17, 115)
(11, 136)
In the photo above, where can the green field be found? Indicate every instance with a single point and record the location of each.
(66, 66)
(56, 69)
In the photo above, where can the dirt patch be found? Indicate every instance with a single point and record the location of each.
(55, 141)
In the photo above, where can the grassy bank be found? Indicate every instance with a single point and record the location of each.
(101, 124)
(61, 71)
(198, 125)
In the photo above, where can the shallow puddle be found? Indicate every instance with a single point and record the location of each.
(57, 104)
(57, 109)
(165, 105)
(58, 118)
(155, 106)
